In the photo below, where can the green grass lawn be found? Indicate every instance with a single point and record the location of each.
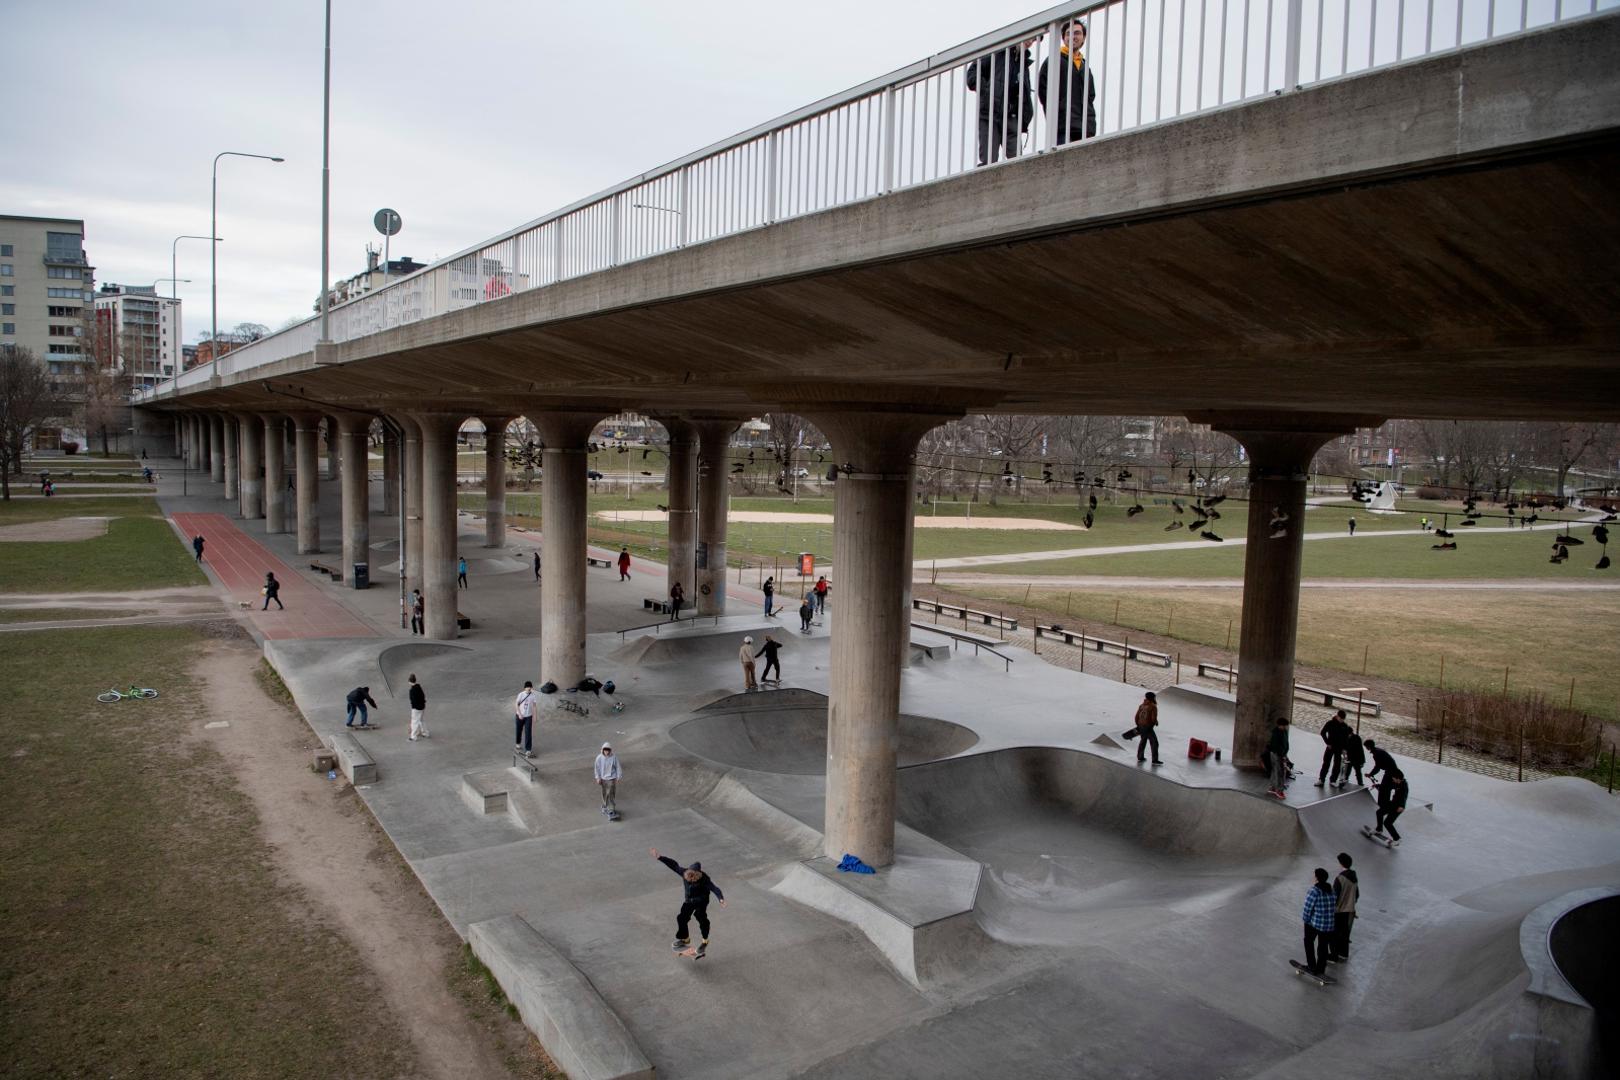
(1543, 641)
(16, 511)
(16, 615)
(136, 553)
(143, 930)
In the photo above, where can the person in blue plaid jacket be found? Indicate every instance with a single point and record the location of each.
(1318, 916)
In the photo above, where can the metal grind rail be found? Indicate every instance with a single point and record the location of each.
(1028, 88)
(658, 626)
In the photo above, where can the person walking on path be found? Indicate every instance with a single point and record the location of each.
(1335, 737)
(197, 543)
(357, 701)
(1147, 721)
(624, 564)
(770, 595)
(1318, 918)
(746, 655)
(461, 571)
(418, 612)
(537, 566)
(769, 651)
(1276, 758)
(820, 592)
(272, 591)
(523, 714)
(1355, 756)
(1382, 761)
(607, 778)
(1391, 805)
(697, 888)
(418, 700)
(1352, 526)
(676, 596)
(807, 611)
(1346, 891)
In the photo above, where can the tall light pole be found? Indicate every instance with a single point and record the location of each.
(172, 281)
(213, 261)
(174, 382)
(326, 189)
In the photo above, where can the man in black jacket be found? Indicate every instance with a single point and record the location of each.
(1076, 103)
(1001, 82)
(1275, 758)
(1381, 761)
(694, 902)
(1391, 805)
(357, 701)
(1335, 736)
(418, 706)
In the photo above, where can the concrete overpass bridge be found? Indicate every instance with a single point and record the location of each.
(1286, 231)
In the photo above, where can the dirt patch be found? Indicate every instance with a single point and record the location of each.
(63, 529)
(327, 844)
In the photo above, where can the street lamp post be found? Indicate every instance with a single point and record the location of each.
(213, 261)
(174, 382)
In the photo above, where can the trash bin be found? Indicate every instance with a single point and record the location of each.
(362, 575)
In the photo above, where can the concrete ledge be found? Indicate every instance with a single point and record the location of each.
(558, 1002)
(485, 794)
(353, 759)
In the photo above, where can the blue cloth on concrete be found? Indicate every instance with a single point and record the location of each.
(850, 864)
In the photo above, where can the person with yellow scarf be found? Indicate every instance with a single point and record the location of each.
(1076, 103)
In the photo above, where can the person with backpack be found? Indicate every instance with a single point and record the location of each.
(1146, 729)
(1318, 918)
(197, 543)
(272, 591)
(1335, 736)
(1000, 82)
(1275, 758)
(696, 890)
(418, 700)
(523, 714)
(1346, 891)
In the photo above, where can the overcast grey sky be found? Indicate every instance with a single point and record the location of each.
(468, 118)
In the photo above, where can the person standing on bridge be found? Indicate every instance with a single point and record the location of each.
(624, 564)
(1000, 80)
(1076, 103)
(1335, 736)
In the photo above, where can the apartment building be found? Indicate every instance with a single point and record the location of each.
(46, 290)
(138, 333)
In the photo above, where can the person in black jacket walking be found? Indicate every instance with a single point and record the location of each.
(1076, 103)
(694, 901)
(1001, 82)
(418, 699)
(272, 591)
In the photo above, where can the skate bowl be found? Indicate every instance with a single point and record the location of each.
(766, 735)
(397, 662)
(1065, 833)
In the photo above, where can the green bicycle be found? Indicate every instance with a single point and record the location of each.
(110, 696)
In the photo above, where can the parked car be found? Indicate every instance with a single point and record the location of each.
(592, 474)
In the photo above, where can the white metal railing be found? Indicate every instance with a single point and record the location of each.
(981, 103)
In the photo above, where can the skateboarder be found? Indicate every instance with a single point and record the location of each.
(770, 595)
(1335, 735)
(1391, 805)
(746, 655)
(1346, 891)
(1276, 758)
(1382, 761)
(624, 564)
(523, 715)
(769, 651)
(1318, 918)
(418, 699)
(807, 611)
(1355, 756)
(607, 778)
(694, 901)
(1147, 721)
(357, 701)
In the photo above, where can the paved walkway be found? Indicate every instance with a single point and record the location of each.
(239, 564)
(1079, 581)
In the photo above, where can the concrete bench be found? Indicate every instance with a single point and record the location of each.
(353, 759)
(557, 1002)
(322, 568)
(966, 614)
(1332, 699)
(592, 560)
(655, 604)
(484, 795)
(1082, 640)
(528, 770)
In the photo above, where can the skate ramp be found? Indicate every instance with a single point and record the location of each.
(425, 659)
(792, 738)
(1203, 702)
(695, 645)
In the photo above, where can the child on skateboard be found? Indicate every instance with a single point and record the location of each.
(607, 778)
(697, 888)
(1318, 918)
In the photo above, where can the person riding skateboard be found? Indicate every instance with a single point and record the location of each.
(697, 887)
(357, 701)
(769, 651)
(1391, 805)
(607, 774)
(1382, 762)
(1335, 737)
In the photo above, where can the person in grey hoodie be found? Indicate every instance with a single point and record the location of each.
(607, 778)
(1346, 891)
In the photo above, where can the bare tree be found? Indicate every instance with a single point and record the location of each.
(1014, 439)
(1210, 456)
(1563, 446)
(1091, 443)
(103, 402)
(27, 398)
(245, 332)
(791, 436)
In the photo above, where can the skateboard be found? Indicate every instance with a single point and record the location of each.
(694, 952)
(362, 727)
(611, 815)
(771, 682)
(1368, 833)
(1320, 980)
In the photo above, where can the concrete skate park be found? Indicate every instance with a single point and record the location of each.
(1042, 905)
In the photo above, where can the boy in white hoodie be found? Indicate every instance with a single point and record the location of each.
(607, 778)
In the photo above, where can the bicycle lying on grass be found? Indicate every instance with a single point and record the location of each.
(110, 696)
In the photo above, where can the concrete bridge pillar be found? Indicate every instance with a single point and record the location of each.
(391, 452)
(334, 442)
(495, 480)
(1279, 454)
(683, 512)
(872, 558)
(438, 522)
(411, 461)
(231, 437)
(275, 473)
(714, 501)
(562, 543)
(307, 480)
(353, 431)
(216, 447)
(250, 483)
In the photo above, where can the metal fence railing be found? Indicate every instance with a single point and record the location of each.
(1033, 87)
